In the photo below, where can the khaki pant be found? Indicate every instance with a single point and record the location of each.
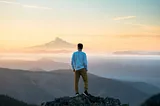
(83, 73)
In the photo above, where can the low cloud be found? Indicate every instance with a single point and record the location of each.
(37, 7)
(146, 27)
(26, 6)
(124, 18)
(9, 2)
(149, 35)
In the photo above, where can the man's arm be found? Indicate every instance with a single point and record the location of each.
(72, 62)
(85, 62)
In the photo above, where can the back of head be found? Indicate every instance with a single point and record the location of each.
(80, 46)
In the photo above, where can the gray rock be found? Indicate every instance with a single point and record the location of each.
(82, 100)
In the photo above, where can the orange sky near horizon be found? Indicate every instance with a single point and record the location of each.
(19, 37)
(97, 26)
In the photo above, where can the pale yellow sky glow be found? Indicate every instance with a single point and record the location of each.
(25, 24)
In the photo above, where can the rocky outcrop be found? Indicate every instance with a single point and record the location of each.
(82, 100)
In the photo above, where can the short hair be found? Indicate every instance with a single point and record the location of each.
(80, 46)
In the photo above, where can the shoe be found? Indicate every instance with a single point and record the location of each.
(77, 94)
(86, 93)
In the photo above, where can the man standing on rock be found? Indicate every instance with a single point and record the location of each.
(79, 66)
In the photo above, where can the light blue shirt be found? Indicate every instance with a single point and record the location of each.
(79, 60)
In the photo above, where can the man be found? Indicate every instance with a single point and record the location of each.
(79, 66)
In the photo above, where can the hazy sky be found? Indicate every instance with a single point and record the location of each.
(103, 24)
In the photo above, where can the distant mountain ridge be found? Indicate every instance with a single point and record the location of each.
(36, 87)
(36, 65)
(56, 46)
(58, 43)
(8, 101)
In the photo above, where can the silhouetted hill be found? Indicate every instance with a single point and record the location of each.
(152, 101)
(144, 87)
(35, 87)
(8, 101)
(39, 65)
(129, 68)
